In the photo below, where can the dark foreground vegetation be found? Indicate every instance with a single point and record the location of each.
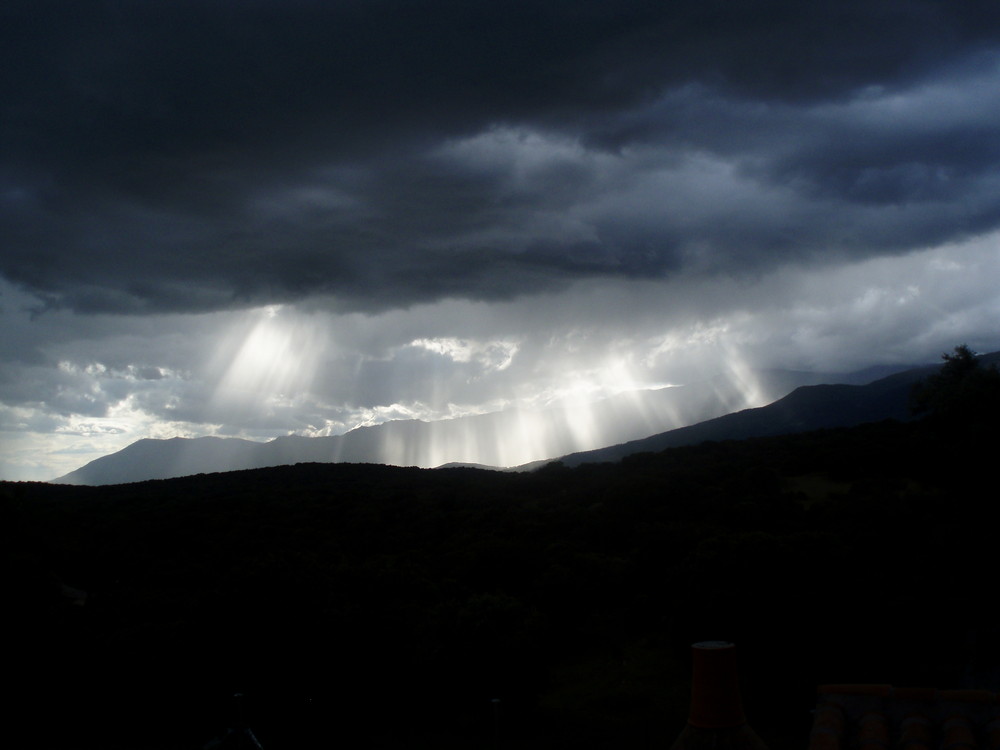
(369, 606)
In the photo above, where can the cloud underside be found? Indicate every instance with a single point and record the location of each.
(179, 157)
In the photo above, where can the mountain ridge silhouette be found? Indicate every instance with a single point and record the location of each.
(627, 422)
(807, 408)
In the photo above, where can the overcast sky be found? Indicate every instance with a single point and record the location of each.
(259, 217)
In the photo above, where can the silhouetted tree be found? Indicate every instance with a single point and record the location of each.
(962, 390)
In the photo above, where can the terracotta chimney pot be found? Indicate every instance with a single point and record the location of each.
(716, 721)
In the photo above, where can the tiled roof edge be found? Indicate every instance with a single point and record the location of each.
(908, 693)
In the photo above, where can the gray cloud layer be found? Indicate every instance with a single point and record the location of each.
(194, 156)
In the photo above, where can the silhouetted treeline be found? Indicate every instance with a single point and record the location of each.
(392, 606)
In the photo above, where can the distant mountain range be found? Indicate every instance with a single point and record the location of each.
(629, 422)
(814, 407)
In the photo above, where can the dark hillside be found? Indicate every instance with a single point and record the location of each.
(811, 407)
(393, 605)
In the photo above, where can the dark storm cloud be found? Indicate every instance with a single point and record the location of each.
(195, 156)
